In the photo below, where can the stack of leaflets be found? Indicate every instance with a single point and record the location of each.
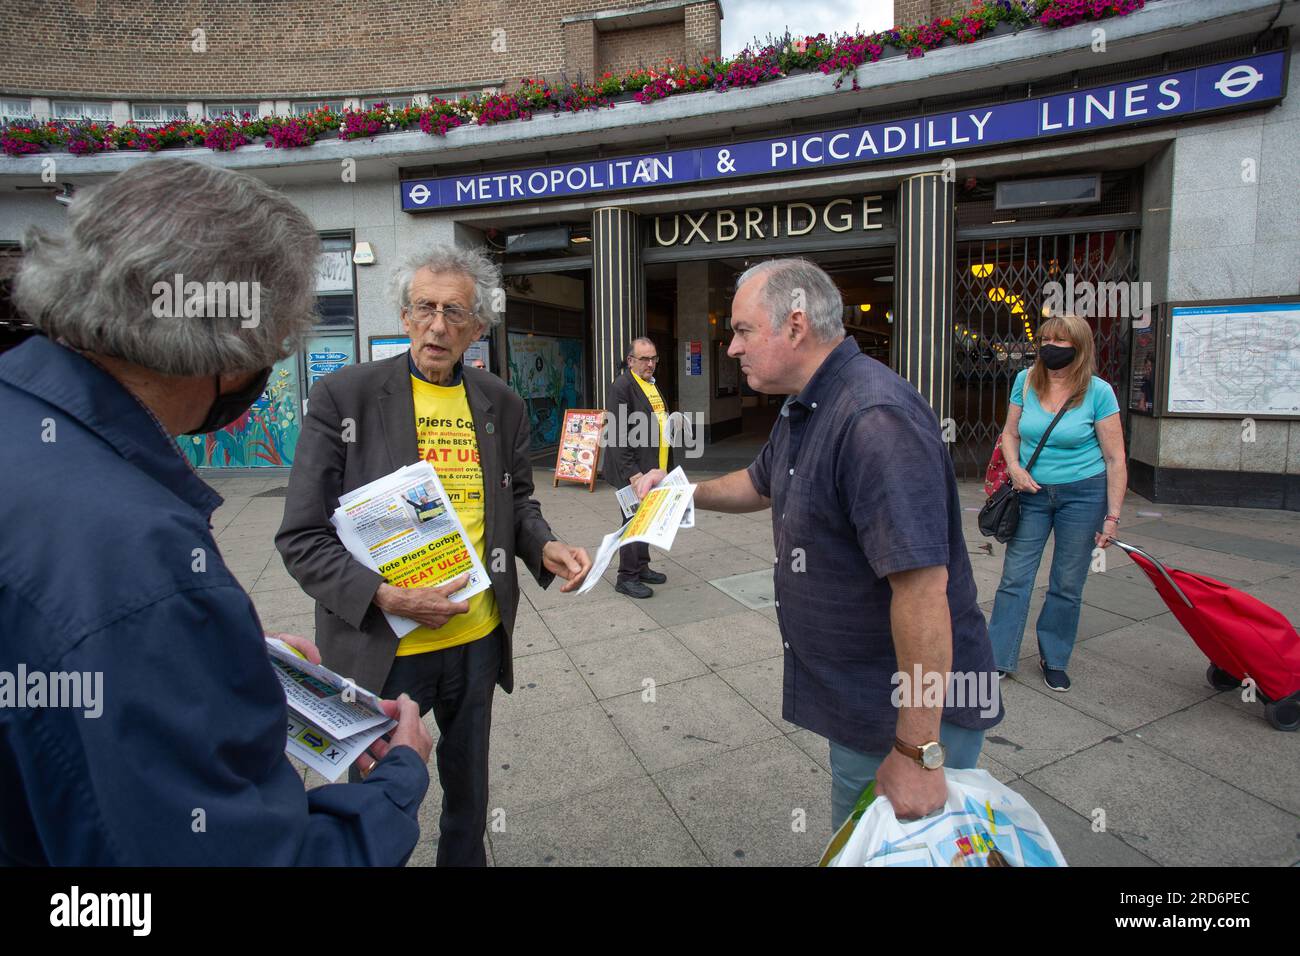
(404, 527)
(655, 520)
(331, 720)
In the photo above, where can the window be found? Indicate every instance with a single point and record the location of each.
(394, 102)
(77, 110)
(233, 110)
(11, 108)
(454, 96)
(158, 112)
(310, 106)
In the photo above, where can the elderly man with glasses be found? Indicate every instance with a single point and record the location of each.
(367, 421)
(637, 443)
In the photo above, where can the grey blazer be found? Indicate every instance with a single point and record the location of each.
(375, 399)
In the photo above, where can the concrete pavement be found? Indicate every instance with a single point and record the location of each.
(650, 732)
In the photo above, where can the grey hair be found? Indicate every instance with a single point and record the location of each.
(799, 285)
(639, 340)
(97, 285)
(458, 260)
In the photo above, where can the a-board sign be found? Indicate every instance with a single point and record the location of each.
(578, 459)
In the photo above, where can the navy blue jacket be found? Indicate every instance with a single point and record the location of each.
(100, 571)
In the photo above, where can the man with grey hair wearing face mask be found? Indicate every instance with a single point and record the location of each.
(110, 578)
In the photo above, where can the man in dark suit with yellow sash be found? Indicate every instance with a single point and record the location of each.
(637, 442)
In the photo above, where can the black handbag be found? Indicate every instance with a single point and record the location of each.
(1001, 513)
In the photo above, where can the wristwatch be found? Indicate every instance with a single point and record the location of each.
(930, 755)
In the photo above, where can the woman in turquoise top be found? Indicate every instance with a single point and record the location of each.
(1075, 493)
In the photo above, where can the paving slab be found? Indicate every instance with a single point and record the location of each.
(544, 683)
(1112, 693)
(762, 683)
(594, 620)
(531, 635)
(767, 804)
(814, 745)
(1158, 650)
(1235, 746)
(1080, 842)
(620, 665)
(695, 602)
(1126, 598)
(686, 721)
(1170, 811)
(720, 563)
(1037, 730)
(732, 639)
(755, 590)
(555, 757)
(629, 824)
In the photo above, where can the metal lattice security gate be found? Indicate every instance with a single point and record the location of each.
(999, 297)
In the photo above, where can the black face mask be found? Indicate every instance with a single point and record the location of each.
(1056, 357)
(226, 408)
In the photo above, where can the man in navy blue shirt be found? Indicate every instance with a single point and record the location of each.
(140, 720)
(886, 650)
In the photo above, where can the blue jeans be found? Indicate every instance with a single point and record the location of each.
(1074, 512)
(852, 770)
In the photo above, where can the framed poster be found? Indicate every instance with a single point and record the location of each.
(578, 459)
(1144, 361)
(1233, 358)
(386, 346)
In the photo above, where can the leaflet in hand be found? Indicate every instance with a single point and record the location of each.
(404, 527)
(656, 522)
(629, 502)
(331, 720)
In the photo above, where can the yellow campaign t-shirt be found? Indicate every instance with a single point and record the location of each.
(445, 433)
(661, 413)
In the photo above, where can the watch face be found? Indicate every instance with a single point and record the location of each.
(932, 755)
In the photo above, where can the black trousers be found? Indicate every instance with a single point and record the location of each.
(632, 558)
(457, 685)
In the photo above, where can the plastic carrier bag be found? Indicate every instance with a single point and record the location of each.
(983, 823)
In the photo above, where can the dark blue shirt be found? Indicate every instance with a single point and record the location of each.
(862, 487)
(108, 566)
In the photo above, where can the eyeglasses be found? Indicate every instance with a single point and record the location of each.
(422, 313)
(652, 359)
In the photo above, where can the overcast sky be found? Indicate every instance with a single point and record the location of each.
(745, 19)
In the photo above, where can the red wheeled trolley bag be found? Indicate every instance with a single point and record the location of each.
(1241, 635)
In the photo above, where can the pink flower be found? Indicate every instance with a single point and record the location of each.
(800, 46)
